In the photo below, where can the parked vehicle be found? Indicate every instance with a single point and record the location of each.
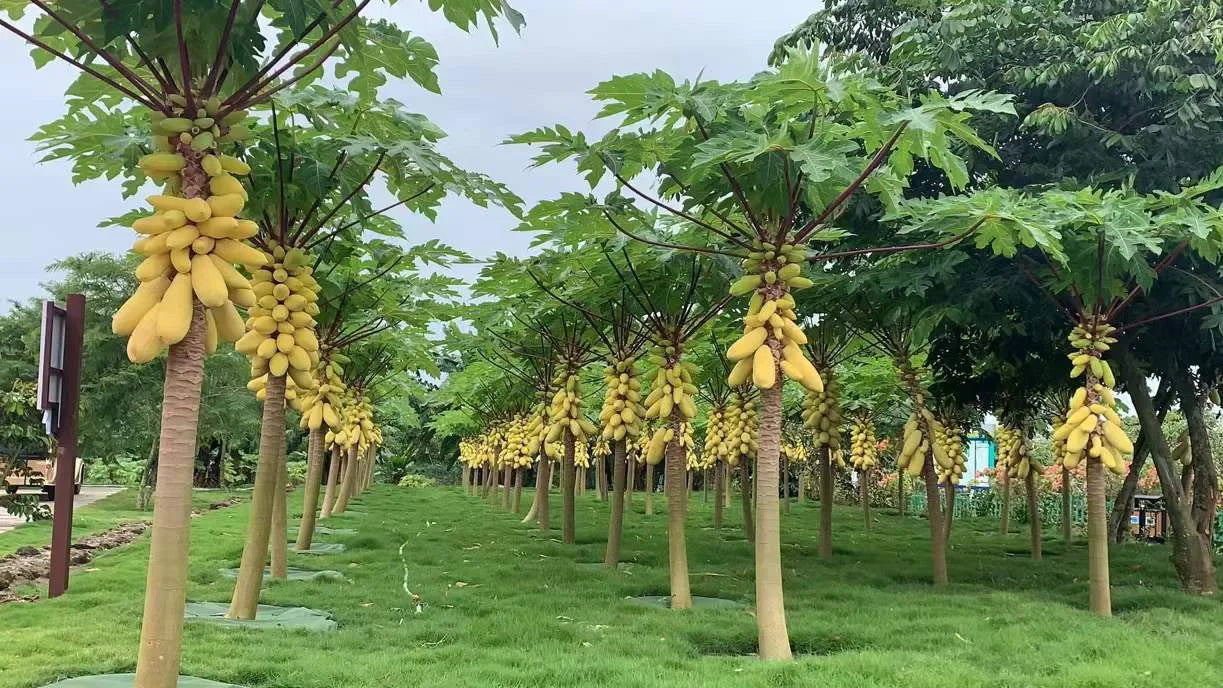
(37, 474)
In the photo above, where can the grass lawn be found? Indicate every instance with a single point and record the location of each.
(507, 605)
(94, 518)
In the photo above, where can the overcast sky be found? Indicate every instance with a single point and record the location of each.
(488, 92)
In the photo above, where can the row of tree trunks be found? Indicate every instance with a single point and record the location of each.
(314, 479)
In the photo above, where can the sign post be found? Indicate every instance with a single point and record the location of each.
(59, 386)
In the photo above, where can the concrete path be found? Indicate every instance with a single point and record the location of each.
(89, 494)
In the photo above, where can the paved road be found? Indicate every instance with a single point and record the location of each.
(89, 494)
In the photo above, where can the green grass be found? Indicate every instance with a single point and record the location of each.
(94, 518)
(529, 615)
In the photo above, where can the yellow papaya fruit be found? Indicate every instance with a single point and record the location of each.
(764, 367)
(207, 282)
(129, 315)
(177, 307)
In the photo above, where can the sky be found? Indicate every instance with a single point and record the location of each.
(489, 91)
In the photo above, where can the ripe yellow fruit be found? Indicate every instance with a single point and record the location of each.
(181, 237)
(300, 360)
(223, 184)
(153, 267)
(278, 364)
(264, 324)
(174, 315)
(219, 228)
(764, 368)
(229, 323)
(181, 259)
(267, 348)
(227, 205)
(236, 252)
(207, 282)
(210, 333)
(740, 373)
(306, 339)
(146, 296)
(144, 344)
(233, 279)
(748, 344)
(244, 229)
(242, 297)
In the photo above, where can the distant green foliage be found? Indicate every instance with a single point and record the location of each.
(416, 480)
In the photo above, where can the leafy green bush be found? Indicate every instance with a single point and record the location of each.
(416, 480)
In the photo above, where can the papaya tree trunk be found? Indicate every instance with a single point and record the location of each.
(165, 595)
(934, 516)
(466, 478)
(785, 483)
(518, 489)
(677, 512)
(314, 478)
(825, 502)
(543, 480)
(719, 490)
(649, 489)
(900, 492)
(615, 525)
(1097, 541)
(705, 475)
(1004, 524)
(1033, 513)
(949, 514)
(568, 522)
(745, 486)
(804, 477)
(350, 476)
(1067, 525)
(259, 523)
(773, 636)
(601, 477)
(508, 478)
(630, 469)
(333, 479)
(864, 478)
(278, 540)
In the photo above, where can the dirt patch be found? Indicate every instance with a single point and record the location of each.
(730, 644)
(224, 503)
(30, 564)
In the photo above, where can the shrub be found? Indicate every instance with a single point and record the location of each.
(416, 480)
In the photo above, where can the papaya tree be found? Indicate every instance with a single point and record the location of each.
(1097, 256)
(762, 168)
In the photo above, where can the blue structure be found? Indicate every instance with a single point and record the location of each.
(981, 454)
